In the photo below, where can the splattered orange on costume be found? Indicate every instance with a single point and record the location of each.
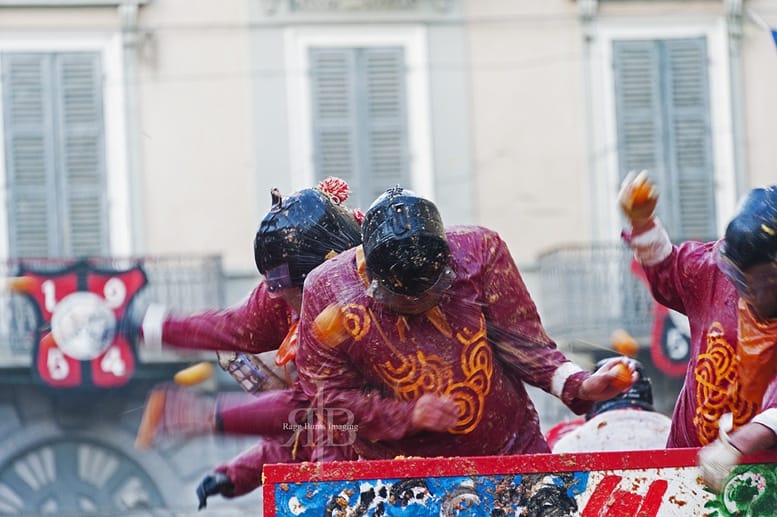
(329, 327)
(288, 349)
(756, 354)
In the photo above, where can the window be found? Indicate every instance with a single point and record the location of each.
(55, 163)
(358, 107)
(662, 109)
(359, 118)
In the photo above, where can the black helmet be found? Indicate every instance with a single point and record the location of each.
(299, 233)
(639, 396)
(405, 247)
(751, 236)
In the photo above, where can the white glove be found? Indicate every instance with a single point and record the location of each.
(718, 459)
(151, 324)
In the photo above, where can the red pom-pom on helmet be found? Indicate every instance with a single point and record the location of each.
(337, 189)
(358, 215)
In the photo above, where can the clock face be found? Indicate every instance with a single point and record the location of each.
(83, 325)
(71, 477)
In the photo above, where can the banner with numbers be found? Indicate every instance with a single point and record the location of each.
(660, 483)
(111, 292)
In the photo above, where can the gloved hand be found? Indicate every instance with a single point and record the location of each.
(434, 413)
(215, 483)
(638, 198)
(719, 458)
(614, 377)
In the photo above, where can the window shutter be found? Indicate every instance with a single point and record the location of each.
(55, 162)
(637, 105)
(29, 151)
(662, 111)
(384, 72)
(82, 151)
(359, 118)
(689, 138)
(334, 114)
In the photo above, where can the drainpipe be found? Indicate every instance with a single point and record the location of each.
(734, 26)
(587, 13)
(128, 13)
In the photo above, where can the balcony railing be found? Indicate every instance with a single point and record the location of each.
(589, 291)
(183, 284)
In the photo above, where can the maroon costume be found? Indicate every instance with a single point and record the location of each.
(686, 278)
(366, 365)
(258, 324)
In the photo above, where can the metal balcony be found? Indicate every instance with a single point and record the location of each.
(183, 284)
(589, 291)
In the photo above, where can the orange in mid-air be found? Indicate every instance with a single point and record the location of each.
(21, 284)
(196, 374)
(150, 421)
(624, 343)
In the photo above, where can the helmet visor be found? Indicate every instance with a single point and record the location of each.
(278, 279)
(733, 273)
(745, 283)
(406, 304)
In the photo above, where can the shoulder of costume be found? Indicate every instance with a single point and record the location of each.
(330, 266)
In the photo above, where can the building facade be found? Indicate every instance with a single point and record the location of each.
(155, 129)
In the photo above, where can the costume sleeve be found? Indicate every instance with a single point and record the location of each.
(329, 378)
(516, 331)
(682, 277)
(258, 324)
(273, 412)
(673, 272)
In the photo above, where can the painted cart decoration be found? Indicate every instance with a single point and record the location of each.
(634, 484)
(89, 303)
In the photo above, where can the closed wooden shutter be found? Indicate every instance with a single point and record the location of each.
(359, 118)
(82, 153)
(55, 158)
(663, 123)
(333, 86)
(29, 154)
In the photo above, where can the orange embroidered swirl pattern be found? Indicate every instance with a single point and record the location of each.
(356, 320)
(716, 381)
(412, 376)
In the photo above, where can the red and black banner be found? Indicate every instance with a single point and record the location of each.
(115, 289)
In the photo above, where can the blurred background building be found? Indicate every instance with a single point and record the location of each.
(153, 130)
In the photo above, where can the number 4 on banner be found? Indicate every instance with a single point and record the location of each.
(114, 366)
